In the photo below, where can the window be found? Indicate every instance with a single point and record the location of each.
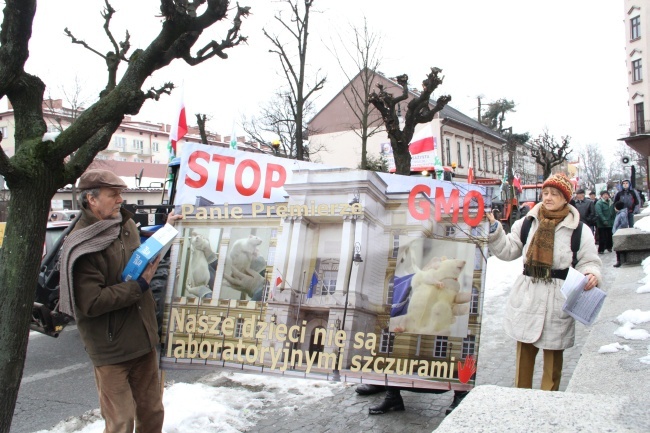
(120, 158)
(448, 151)
(386, 341)
(395, 246)
(636, 70)
(330, 271)
(460, 159)
(469, 154)
(271, 257)
(440, 347)
(391, 289)
(101, 157)
(478, 157)
(486, 159)
(493, 169)
(4, 131)
(239, 327)
(154, 146)
(140, 202)
(450, 231)
(473, 303)
(635, 28)
(639, 117)
(138, 144)
(138, 160)
(468, 346)
(120, 142)
(499, 162)
(274, 233)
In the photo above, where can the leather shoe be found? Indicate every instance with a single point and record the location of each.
(617, 265)
(368, 389)
(392, 401)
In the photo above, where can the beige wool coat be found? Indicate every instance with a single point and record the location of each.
(534, 310)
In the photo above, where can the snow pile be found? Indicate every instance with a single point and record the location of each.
(646, 211)
(613, 348)
(634, 316)
(628, 333)
(643, 224)
(644, 289)
(500, 275)
(225, 402)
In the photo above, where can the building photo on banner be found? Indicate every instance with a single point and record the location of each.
(315, 271)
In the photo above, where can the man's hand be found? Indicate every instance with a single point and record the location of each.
(172, 217)
(150, 270)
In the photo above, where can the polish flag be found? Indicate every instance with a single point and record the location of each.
(470, 171)
(422, 141)
(179, 124)
(278, 281)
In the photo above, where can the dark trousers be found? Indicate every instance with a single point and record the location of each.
(605, 236)
(630, 219)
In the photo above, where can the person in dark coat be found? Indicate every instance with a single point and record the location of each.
(629, 200)
(586, 209)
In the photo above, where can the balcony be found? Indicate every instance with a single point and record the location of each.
(638, 128)
(112, 148)
(131, 150)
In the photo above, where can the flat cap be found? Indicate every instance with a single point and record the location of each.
(580, 191)
(100, 178)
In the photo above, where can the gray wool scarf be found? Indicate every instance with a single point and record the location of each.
(95, 237)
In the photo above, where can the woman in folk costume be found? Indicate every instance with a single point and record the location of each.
(534, 316)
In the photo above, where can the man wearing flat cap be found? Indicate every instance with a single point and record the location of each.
(585, 208)
(116, 319)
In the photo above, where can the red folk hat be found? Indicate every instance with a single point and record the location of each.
(561, 183)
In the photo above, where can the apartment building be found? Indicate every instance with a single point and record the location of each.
(637, 48)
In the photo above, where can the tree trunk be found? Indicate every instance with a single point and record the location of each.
(402, 158)
(20, 258)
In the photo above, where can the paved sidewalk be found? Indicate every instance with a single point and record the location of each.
(347, 411)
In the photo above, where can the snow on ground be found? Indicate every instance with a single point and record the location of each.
(646, 359)
(501, 275)
(628, 333)
(634, 316)
(224, 402)
(613, 348)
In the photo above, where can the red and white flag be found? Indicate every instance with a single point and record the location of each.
(470, 170)
(179, 125)
(278, 281)
(422, 141)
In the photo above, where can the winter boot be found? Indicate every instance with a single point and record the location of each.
(458, 397)
(393, 400)
(368, 389)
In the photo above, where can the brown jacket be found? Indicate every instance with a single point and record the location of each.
(117, 322)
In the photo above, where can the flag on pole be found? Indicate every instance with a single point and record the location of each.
(278, 281)
(470, 171)
(312, 285)
(233, 138)
(178, 126)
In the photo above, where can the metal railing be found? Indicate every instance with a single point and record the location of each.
(637, 128)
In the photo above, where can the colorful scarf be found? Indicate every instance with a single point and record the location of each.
(539, 257)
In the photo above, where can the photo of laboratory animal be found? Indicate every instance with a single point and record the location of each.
(432, 287)
(244, 275)
(200, 262)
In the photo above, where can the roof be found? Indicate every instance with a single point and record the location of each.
(449, 112)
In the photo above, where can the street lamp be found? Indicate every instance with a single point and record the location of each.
(275, 144)
(356, 259)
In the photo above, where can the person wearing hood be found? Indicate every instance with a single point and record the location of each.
(534, 316)
(629, 200)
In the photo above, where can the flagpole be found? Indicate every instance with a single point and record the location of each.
(304, 274)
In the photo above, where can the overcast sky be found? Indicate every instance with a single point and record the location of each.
(562, 62)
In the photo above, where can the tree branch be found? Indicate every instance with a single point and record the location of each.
(14, 40)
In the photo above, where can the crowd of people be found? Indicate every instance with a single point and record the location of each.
(604, 216)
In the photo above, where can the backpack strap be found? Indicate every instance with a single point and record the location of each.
(576, 237)
(575, 243)
(525, 228)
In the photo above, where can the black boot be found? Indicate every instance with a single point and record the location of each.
(393, 400)
(368, 389)
(458, 397)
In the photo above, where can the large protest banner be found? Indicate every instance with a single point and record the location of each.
(305, 270)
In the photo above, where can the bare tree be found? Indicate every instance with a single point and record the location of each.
(299, 93)
(73, 102)
(200, 121)
(364, 54)
(550, 153)
(595, 170)
(41, 166)
(418, 110)
(275, 123)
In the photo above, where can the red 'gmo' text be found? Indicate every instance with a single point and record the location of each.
(421, 210)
